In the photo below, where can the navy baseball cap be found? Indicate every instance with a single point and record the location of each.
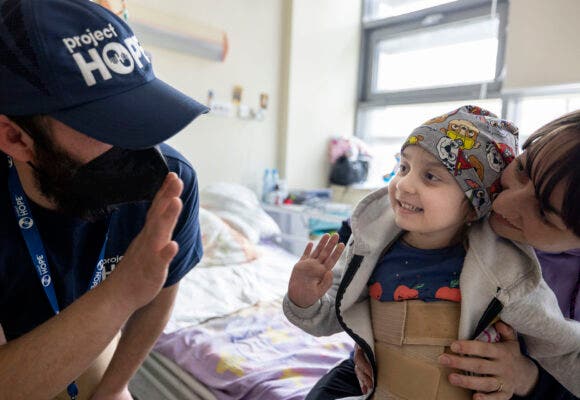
(82, 65)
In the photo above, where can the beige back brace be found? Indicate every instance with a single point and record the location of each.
(409, 337)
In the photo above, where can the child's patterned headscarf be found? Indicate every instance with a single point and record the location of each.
(475, 146)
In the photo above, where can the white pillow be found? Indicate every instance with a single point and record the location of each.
(222, 245)
(239, 207)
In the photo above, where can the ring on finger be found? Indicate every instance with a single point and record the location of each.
(499, 386)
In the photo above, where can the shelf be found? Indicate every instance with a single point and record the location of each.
(296, 221)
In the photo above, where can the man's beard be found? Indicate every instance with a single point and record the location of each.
(94, 190)
(54, 172)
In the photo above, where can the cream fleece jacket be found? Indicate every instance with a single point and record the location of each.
(493, 267)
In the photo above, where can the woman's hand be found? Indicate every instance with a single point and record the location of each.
(312, 275)
(363, 370)
(508, 371)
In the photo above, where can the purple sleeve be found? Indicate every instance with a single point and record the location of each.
(561, 272)
(547, 388)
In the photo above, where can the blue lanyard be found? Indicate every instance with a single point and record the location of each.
(35, 247)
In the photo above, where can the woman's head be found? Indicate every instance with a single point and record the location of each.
(540, 201)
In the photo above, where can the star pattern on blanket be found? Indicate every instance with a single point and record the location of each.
(293, 373)
(230, 362)
(277, 336)
(336, 346)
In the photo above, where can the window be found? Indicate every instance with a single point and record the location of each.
(532, 111)
(399, 120)
(417, 64)
(447, 55)
(421, 58)
(378, 9)
(394, 123)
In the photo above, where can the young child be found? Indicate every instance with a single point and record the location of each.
(423, 268)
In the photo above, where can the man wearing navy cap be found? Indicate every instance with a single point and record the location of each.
(98, 218)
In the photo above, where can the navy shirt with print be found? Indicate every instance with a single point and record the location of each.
(73, 245)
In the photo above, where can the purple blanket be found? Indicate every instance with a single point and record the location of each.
(254, 354)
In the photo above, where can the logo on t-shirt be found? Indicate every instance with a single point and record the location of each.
(25, 222)
(109, 265)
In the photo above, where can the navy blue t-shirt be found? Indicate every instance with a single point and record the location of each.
(406, 272)
(72, 247)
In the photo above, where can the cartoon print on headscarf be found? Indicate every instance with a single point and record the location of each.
(452, 156)
(448, 151)
(414, 139)
(476, 165)
(476, 194)
(499, 155)
(494, 158)
(503, 128)
(464, 131)
(440, 119)
(476, 110)
(494, 189)
(507, 153)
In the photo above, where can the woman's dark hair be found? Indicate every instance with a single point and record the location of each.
(553, 158)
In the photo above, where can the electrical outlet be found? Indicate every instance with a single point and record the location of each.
(222, 109)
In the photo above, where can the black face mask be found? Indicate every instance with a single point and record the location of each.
(93, 190)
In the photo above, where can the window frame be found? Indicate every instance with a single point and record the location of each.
(512, 100)
(373, 32)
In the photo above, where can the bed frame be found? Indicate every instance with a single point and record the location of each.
(160, 378)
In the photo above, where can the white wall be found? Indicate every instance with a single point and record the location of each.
(303, 53)
(321, 85)
(542, 43)
(221, 148)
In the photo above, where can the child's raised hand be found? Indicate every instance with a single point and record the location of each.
(312, 274)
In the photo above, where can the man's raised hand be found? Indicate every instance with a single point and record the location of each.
(143, 269)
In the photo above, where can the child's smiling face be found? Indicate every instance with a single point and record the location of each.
(427, 200)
